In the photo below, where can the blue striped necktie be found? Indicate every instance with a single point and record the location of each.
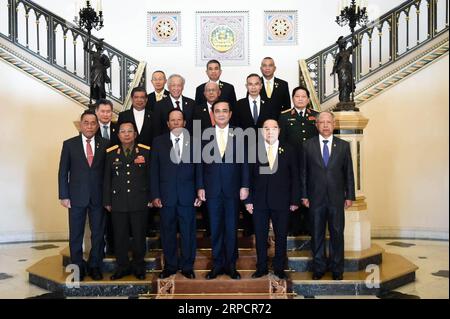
(326, 153)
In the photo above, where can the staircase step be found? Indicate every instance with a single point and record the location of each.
(395, 271)
(222, 284)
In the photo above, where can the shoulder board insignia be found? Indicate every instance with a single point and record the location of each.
(144, 146)
(286, 111)
(112, 148)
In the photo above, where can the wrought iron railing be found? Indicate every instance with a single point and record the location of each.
(381, 43)
(61, 44)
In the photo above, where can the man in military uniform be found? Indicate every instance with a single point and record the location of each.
(297, 126)
(127, 197)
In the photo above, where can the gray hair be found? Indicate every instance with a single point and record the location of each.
(175, 76)
(211, 83)
(333, 117)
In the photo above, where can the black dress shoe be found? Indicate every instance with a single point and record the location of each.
(166, 273)
(95, 273)
(317, 275)
(234, 274)
(338, 276)
(280, 274)
(214, 273)
(188, 274)
(260, 273)
(120, 273)
(140, 274)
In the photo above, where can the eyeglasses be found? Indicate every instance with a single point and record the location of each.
(126, 131)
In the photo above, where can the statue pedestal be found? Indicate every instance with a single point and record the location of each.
(350, 127)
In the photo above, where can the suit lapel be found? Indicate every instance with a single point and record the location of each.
(334, 150)
(80, 150)
(318, 152)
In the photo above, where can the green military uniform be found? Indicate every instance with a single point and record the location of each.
(295, 130)
(127, 191)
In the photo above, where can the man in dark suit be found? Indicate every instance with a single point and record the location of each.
(274, 89)
(175, 179)
(297, 126)
(108, 130)
(80, 183)
(274, 192)
(328, 188)
(159, 82)
(225, 181)
(227, 93)
(252, 112)
(139, 115)
(126, 195)
(203, 112)
(175, 100)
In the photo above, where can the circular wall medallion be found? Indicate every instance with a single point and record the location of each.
(222, 38)
(165, 28)
(280, 27)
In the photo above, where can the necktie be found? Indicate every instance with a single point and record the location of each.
(90, 154)
(177, 149)
(127, 152)
(300, 114)
(270, 156)
(222, 145)
(105, 132)
(159, 96)
(268, 89)
(326, 153)
(178, 105)
(211, 116)
(255, 112)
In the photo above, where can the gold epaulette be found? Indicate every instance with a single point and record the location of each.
(144, 146)
(286, 111)
(112, 148)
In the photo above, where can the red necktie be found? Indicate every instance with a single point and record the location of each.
(211, 116)
(90, 154)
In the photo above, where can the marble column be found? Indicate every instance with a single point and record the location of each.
(350, 127)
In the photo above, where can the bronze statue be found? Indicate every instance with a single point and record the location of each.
(98, 71)
(344, 70)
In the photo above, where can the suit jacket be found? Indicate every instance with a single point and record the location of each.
(201, 113)
(151, 100)
(224, 175)
(335, 182)
(242, 115)
(281, 96)
(145, 137)
(227, 93)
(175, 184)
(126, 182)
(161, 115)
(76, 180)
(279, 189)
(113, 137)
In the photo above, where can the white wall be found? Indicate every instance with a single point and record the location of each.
(125, 28)
(35, 122)
(407, 156)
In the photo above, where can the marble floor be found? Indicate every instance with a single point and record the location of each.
(432, 258)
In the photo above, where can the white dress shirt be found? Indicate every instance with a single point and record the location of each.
(301, 112)
(258, 105)
(139, 118)
(180, 142)
(274, 148)
(330, 143)
(225, 135)
(85, 146)
(272, 83)
(175, 104)
(108, 128)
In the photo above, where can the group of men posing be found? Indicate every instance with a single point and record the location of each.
(172, 153)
